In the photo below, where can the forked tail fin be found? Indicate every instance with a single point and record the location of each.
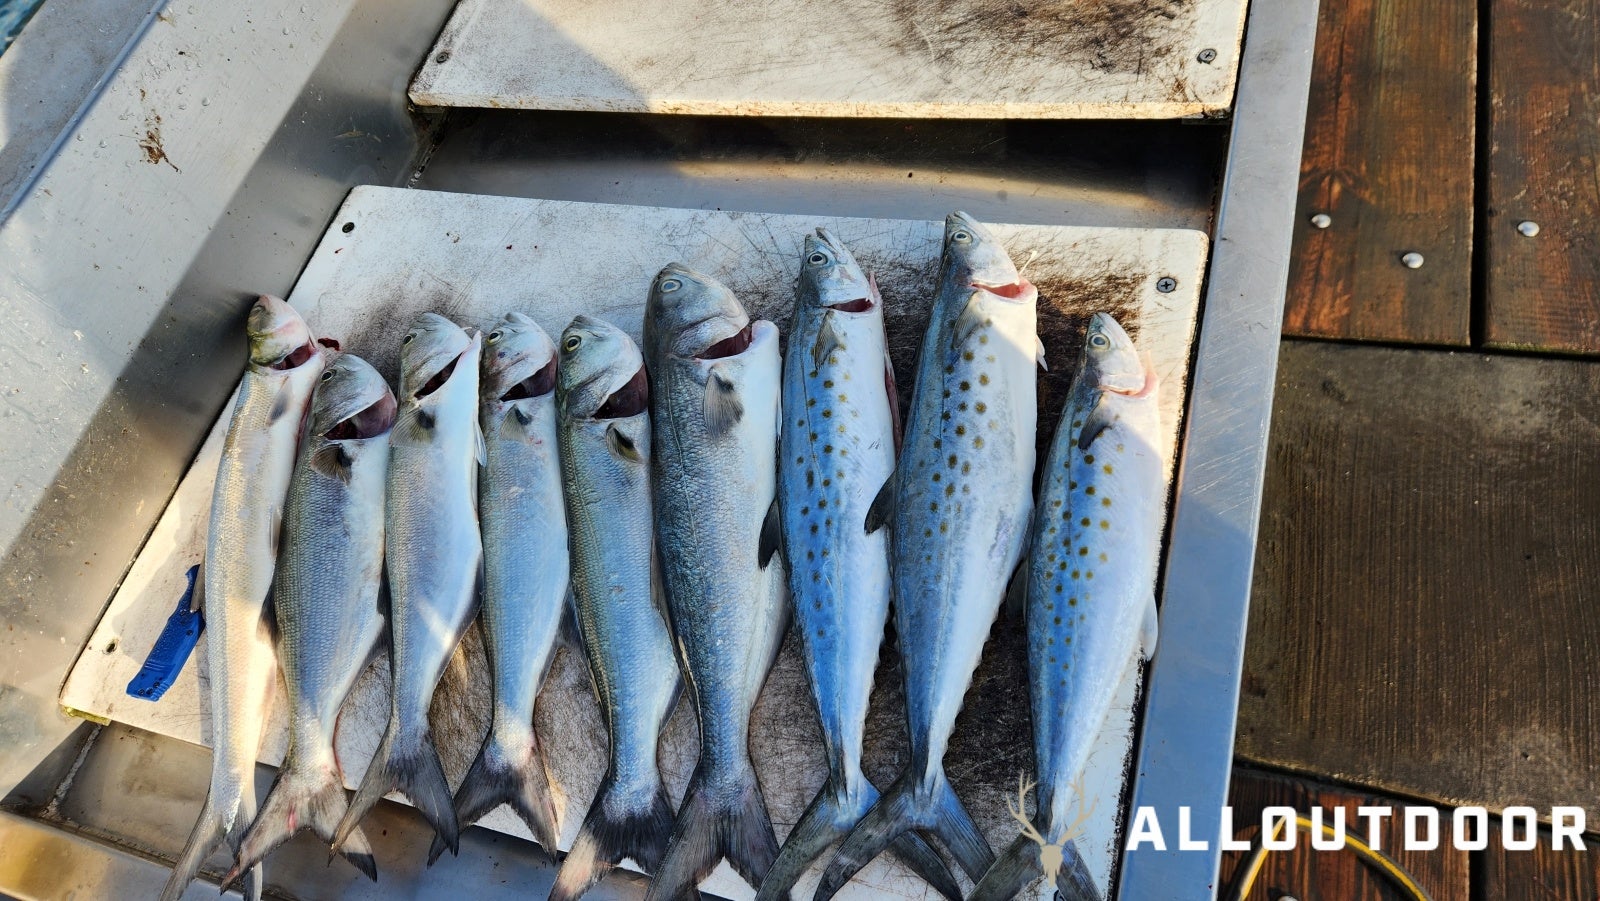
(305, 796)
(409, 764)
(207, 836)
(615, 828)
(830, 817)
(714, 824)
(908, 805)
(1019, 866)
(504, 774)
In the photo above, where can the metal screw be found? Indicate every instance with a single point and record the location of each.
(1321, 220)
(1411, 260)
(1207, 55)
(1527, 228)
(1166, 284)
(443, 57)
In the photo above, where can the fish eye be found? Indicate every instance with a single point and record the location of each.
(408, 338)
(1100, 341)
(495, 335)
(961, 236)
(817, 258)
(668, 285)
(327, 374)
(571, 344)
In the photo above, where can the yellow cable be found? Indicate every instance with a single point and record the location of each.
(1251, 868)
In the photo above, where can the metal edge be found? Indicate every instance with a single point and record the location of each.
(1185, 753)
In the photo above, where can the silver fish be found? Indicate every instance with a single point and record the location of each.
(1091, 586)
(433, 557)
(604, 397)
(325, 596)
(715, 380)
(258, 456)
(959, 504)
(525, 573)
(841, 417)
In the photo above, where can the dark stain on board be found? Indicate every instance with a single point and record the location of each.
(150, 141)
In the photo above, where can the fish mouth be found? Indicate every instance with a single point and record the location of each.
(369, 422)
(859, 305)
(439, 378)
(539, 384)
(631, 399)
(1015, 292)
(731, 346)
(297, 357)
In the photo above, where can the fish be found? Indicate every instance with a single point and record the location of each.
(433, 558)
(714, 401)
(326, 597)
(258, 455)
(603, 403)
(1091, 588)
(525, 573)
(840, 433)
(958, 507)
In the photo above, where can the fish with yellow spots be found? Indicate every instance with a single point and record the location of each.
(1091, 583)
(958, 507)
(838, 445)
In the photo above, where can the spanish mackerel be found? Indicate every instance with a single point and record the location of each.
(433, 560)
(326, 600)
(603, 398)
(715, 375)
(958, 506)
(525, 571)
(258, 456)
(1091, 587)
(841, 419)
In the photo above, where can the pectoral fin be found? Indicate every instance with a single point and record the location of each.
(828, 340)
(723, 409)
(479, 447)
(882, 507)
(275, 527)
(514, 427)
(770, 534)
(1099, 419)
(1038, 353)
(414, 427)
(971, 319)
(280, 406)
(1147, 637)
(332, 461)
(621, 445)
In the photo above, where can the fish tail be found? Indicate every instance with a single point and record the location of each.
(506, 773)
(408, 763)
(207, 835)
(1019, 866)
(911, 803)
(305, 796)
(714, 824)
(1073, 880)
(615, 828)
(831, 816)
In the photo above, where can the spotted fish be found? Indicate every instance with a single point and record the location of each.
(841, 420)
(604, 408)
(958, 507)
(1091, 584)
(714, 401)
(258, 457)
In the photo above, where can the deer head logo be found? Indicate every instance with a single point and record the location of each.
(1051, 854)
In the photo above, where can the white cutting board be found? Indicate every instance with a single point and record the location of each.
(474, 258)
(993, 59)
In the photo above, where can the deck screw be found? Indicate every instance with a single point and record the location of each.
(1411, 260)
(1207, 55)
(1321, 220)
(1166, 284)
(1527, 228)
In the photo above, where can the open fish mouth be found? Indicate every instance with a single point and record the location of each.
(731, 346)
(1014, 292)
(859, 305)
(370, 422)
(539, 384)
(297, 357)
(631, 399)
(439, 378)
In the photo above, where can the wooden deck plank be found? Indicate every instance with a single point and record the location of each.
(1542, 874)
(1543, 292)
(1423, 616)
(1310, 874)
(1388, 156)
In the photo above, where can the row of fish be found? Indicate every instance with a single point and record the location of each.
(642, 485)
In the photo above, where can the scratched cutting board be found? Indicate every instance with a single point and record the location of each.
(393, 253)
(1047, 59)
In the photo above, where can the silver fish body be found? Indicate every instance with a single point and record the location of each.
(605, 444)
(326, 599)
(1091, 583)
(958, 507)
(715, 397)
(433, 559)
(258, 457)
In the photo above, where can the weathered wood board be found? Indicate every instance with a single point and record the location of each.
(1388, 157)
(1540, 873)
(1105, 59)
(391, 254)
(1423, 617)
(1543, 292)
(1311, 874)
